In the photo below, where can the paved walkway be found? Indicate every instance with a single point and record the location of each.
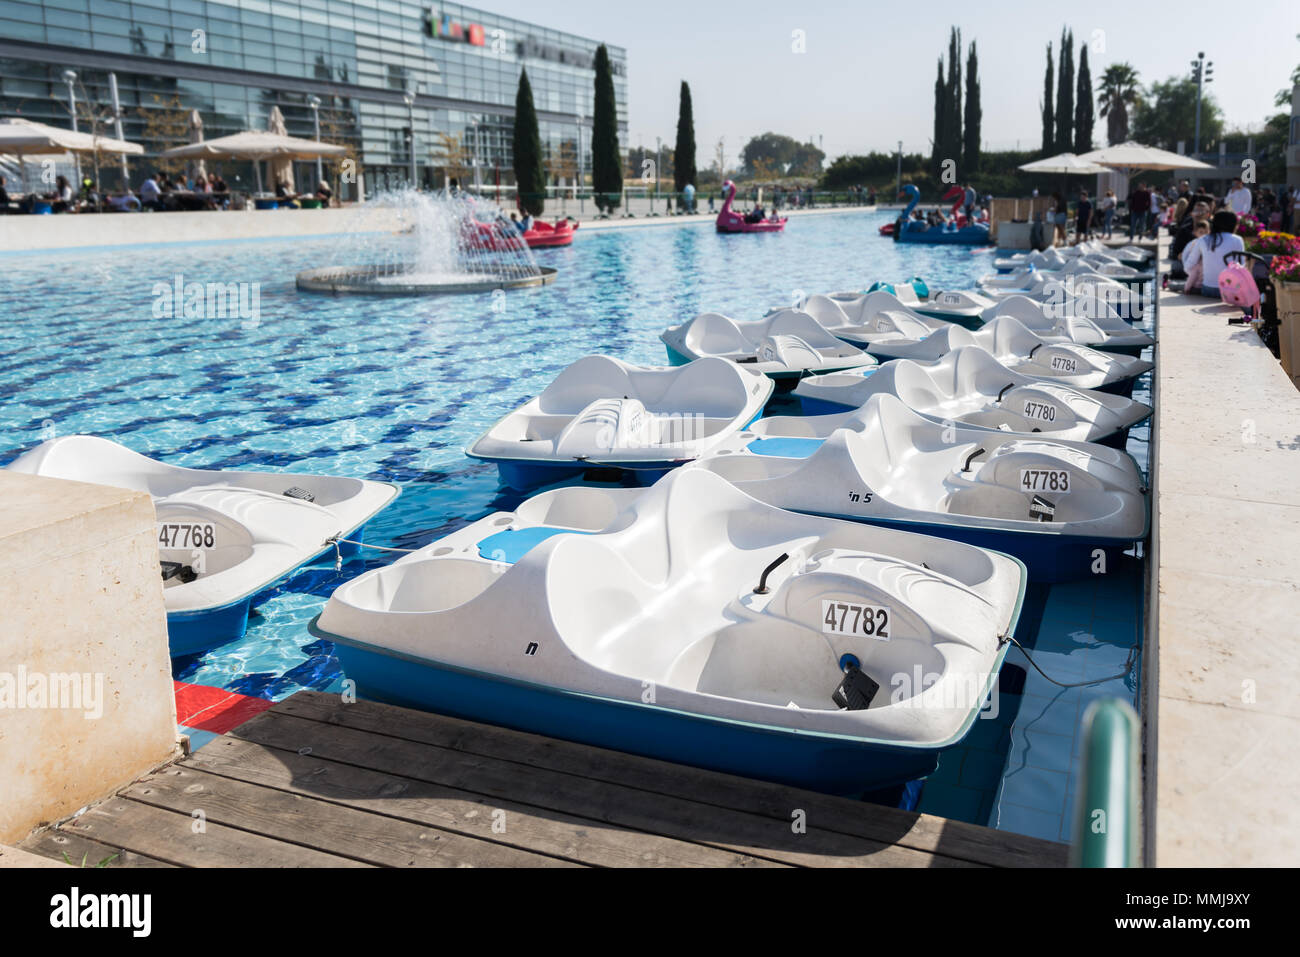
(1225, 702)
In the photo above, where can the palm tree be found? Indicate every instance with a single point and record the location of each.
(1118, 88)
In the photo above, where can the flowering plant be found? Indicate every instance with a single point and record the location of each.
(1248, 225)
(1270, 243)
(1285, 268)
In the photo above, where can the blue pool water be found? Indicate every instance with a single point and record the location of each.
(395, 389)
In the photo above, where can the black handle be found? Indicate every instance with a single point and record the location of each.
(762, 579)
(1033, 350)
(970, 458)
(1009, 385)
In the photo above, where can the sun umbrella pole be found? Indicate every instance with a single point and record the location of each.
(257, 167)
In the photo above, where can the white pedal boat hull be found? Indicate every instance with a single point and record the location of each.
(988, 488)
(785, 346)
(237, 530)
(971, 387)
(603, 412)
(628, 618)
(1026, 353)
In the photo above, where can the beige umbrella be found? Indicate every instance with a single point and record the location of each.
(25, 138)
(256, 145)
(1130, 157)
(197, 169)
(281, 167)
(1067, 164)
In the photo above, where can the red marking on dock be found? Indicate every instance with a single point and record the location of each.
(214, 709)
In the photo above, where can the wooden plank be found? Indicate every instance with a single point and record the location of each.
(922, 832)
(55, 842)
(559, 835)
(169, 836)
(604, 801)
(324, 826)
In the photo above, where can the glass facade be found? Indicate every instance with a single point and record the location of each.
(233, 60)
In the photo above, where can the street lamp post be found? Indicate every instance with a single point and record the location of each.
(314, 103)
(70, 77)
(409, 98)
(582, 205)
(1202, 73)
(898, 184)
(659, 163)
(117, 121)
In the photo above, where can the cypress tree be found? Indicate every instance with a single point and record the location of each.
(530, 177)
(953, 143)
(684, 152)
(1049, 131)
(606, 165)
(1083, 112)
(1065, 95)
(971, 153)
(940, 122)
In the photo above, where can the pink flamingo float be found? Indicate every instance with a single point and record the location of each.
(730, 221)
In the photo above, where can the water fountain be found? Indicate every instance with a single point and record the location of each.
(443, 243)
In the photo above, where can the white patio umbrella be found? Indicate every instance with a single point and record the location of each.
(1066, 164)
(1130, 157)
(255, 145)
(25, 138)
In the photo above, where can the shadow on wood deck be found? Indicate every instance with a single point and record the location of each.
(317, 782)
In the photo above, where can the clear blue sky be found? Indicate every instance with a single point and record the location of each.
(866, 80)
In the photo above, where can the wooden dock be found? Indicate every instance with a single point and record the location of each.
(316, 782)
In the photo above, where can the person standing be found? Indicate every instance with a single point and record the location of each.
(1108, 204)
(1083, 218)
(1059, 218)
(1239, 199)
(1139, 204)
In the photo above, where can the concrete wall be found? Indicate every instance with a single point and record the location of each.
(63, 231)
(1224, 770)
(82, 599)
(89, 230)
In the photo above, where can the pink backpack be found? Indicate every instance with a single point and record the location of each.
(1237, 286)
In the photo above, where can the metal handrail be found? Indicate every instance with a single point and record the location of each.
(1106, 825)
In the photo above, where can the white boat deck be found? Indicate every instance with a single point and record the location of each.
(1221, 702)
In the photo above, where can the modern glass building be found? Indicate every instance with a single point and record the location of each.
(234, 60)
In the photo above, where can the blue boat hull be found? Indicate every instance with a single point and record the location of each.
(191, 632)
(966, 236)
(827, 763)
(523, 476)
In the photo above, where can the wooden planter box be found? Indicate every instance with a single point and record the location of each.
(1288, 315)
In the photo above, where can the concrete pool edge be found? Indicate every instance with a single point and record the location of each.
(72, 233)
(1220, 772)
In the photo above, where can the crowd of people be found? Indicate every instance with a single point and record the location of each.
(1203, 224)
(158, 192)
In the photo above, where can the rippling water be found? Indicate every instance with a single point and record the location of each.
(380, 388)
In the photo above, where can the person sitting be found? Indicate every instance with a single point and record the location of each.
(285, 196)
(62, 195)
(7, 205)
(126, 203)
(756, 215)
(324, 193)
(1210, 250)
(526, 223)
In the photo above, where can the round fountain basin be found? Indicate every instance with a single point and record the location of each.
(347, 280)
